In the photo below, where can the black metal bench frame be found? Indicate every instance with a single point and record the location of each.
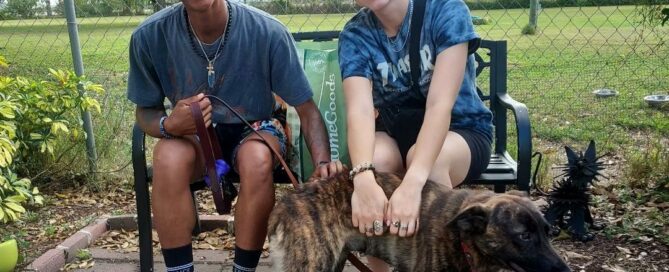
(502, 171)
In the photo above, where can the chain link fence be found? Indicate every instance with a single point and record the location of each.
(577, 46)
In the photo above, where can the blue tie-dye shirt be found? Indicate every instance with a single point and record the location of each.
(366, 51)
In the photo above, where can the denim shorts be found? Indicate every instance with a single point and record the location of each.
(232, 136)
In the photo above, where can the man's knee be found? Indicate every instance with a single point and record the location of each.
(255, 162)
(174, 159)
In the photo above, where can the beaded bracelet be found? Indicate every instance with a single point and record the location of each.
(163, 132)
(366, 166)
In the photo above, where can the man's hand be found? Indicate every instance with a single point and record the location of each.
(180, 122)
(329, 169)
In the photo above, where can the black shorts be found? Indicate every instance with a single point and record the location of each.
(479, 144)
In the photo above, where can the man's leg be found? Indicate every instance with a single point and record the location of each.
(175, 162)
(255, 164)
(387, 158)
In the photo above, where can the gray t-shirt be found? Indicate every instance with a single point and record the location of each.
(258, 58)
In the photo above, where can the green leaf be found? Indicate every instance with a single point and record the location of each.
(58, 126)
(16, 207)
(2, 215)
(15, 199)
(11, 215)
(39, 200)
(24, 182)
(36, 136)
(7, 112)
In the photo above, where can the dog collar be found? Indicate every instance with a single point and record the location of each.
(468, 256)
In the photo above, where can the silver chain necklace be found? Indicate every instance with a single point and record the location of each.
(399, 33)
(211, 73)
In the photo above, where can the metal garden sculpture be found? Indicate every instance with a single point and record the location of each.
(569, 198)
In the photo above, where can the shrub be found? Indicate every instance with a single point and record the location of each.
(36, 117)
(477, 20)
(20, 9)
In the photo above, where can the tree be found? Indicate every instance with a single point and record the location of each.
(21, 8)
(47, 5)
(533, 25)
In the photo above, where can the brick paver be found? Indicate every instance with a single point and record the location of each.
(204, 260)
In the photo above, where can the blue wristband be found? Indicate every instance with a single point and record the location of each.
(162, 129)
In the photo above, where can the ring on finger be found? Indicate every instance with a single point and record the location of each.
(396, 224)
(404, 227)
(378, 226)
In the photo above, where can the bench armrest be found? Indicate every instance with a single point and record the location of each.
(524, 133)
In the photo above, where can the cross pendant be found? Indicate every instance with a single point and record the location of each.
(210, 74)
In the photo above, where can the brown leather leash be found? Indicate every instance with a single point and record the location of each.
(212, 152)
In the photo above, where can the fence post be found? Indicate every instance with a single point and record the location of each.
(73, 30)
(534, 13)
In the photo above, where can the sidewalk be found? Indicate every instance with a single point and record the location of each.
(204, 260)
(113, 257)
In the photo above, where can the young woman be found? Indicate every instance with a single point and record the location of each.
(440, 131)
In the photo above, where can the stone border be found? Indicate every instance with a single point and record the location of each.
(56, 258)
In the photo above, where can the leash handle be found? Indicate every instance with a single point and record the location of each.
(211, 150)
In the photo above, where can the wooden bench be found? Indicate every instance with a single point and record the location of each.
(503, 170)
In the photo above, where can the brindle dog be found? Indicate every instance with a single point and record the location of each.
(461, 230)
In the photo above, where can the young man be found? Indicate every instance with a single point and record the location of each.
(239, 54)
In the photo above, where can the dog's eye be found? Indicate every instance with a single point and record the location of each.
(525, 236)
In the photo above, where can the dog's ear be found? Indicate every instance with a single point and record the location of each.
(518, 193)
(473, 220)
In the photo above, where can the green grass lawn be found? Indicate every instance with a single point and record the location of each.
(576, 51)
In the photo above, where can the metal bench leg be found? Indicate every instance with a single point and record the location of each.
(144, 227)
(500, 188)
(143, 200)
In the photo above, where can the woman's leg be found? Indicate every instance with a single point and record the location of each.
(453, 162)
(387, 158)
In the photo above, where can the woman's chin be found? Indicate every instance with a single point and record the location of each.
(374, 5)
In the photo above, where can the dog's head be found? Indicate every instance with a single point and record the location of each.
(506, 232)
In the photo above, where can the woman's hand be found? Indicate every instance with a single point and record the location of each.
(368, 203)
(404, 208)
